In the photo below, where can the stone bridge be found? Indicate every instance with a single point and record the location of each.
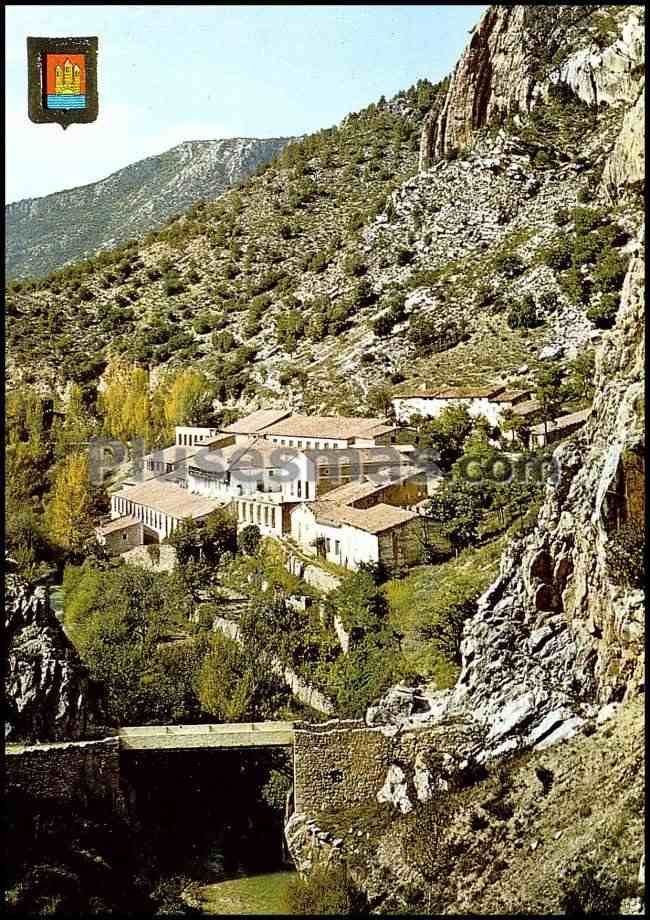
(224, 735)
(338, 763)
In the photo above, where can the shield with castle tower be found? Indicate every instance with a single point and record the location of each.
(62, 80)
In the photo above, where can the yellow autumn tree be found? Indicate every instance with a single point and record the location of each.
(78, 425)
(184, 397)
(69, 510)
(125, 401)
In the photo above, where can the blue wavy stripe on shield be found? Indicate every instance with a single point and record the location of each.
(66, 102)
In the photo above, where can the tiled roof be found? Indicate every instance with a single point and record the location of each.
(511, 395)
(488, 392)
(256, 453)
(373, 520)
(169, 498)
(174, 454)
(527, 407)
(120, 523)
(350, 492)
(386, 454)
(326, 426)
(564, 421)
(256, 421)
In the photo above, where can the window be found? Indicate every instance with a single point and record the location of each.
(281, 442)
(266, 515)
(337, 547)
(299, 444)
(307, 490)
(299, 488)
(328, 544)
(317, 445)
(272, 517)
(290, 442)
(124, 534)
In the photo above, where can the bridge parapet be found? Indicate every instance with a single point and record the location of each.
(218, 735)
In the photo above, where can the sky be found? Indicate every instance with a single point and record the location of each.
(168, 74)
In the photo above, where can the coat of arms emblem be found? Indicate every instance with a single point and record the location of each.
(62, 83)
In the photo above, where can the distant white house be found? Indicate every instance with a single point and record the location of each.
(349, 536)
(487, 402)
(562, 427)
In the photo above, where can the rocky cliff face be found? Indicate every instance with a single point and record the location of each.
(48, 692)
(562, 628)
(560, 633)
(45, 233)
(517, 52)
(555, 650)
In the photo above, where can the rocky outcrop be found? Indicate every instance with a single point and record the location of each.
(562, 628)
(560, 634)
(625, 166)
(48, 692)
(504, 68)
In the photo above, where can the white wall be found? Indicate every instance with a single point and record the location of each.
(265, 515)
(156, 521)
(354, 546)
(188, 436)
(429, 407)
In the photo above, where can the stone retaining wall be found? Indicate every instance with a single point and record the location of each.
(344, 763)
(314, 575)
(303, 691)
(77, 771)
(338, 764)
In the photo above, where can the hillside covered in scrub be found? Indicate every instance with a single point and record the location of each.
(355, 257)
(43, 234)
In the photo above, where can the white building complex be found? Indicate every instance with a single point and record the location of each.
(265, 465)
(489, 402)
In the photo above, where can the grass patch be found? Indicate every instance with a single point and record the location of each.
(253, 894)
(418, 602)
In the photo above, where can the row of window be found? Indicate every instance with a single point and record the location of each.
(148, 516)
(190, 440)
(256, 514)
(316, 445)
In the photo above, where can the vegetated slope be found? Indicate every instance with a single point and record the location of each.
(340, 266)
(42, 234)
(551, 832)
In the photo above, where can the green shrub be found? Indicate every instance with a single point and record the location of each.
(562, 217)
(404, 256)
(325, 891)
(523, 314)
(548, 301)
(603, 313)
(509, 264)
(626, 554)
(591, 891)
(383, 324)
(609, 272)
(173, 284)
(558, 254)
(353, 265)
(362, 295)
(429, 334)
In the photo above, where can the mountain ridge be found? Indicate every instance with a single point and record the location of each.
(160, 185)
